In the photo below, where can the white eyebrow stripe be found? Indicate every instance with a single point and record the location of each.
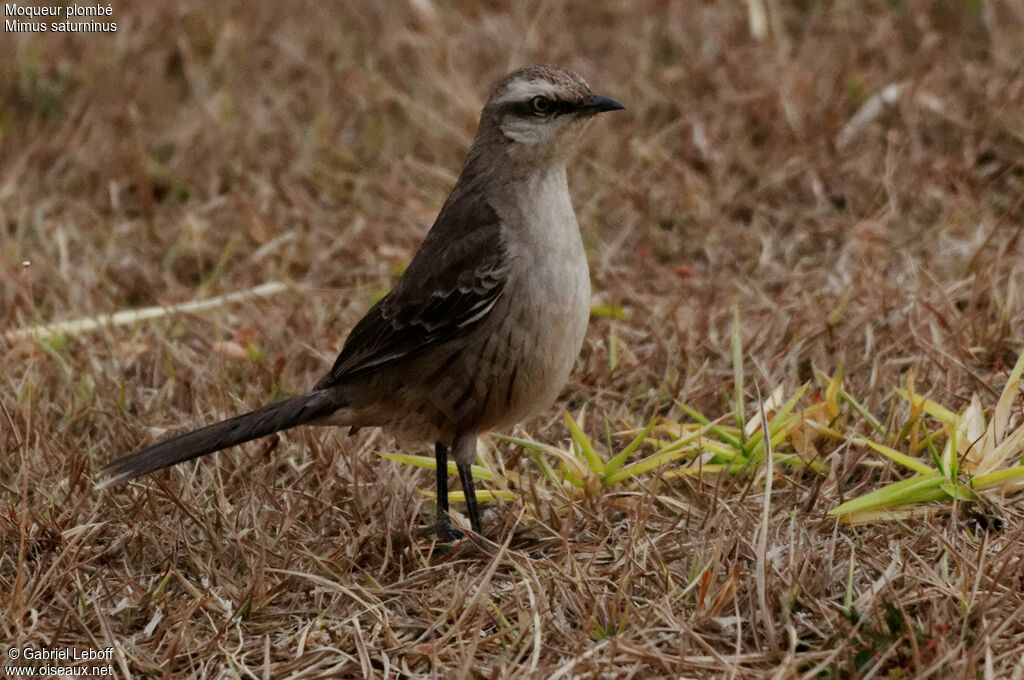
(521, 90)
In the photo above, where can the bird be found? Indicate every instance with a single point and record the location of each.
(483, 327)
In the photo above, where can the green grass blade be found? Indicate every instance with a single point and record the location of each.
(779, 426)
(934, 409)
(680, 448)
(684, 442)
(568, 476)
(725, 452)
(789, 404)
(528, 444)
(737, 370)
(957, 492)
(826, 431)
(429, 463)
(608, 312)
(646, 465)
(863, 412)
(545, 467)
(616, 462)
(901, 458)
(705, 469)
(995, 479)
(586, 447)
(928, 442)
(482, 495)
(906, 492)
(713, 429)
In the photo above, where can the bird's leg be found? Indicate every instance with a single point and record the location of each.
(464, 452)
(466, 477)
(443, 528)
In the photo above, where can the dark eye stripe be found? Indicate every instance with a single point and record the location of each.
(555, 108)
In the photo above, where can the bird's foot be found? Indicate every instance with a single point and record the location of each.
(444, 531)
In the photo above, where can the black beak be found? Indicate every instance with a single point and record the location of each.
(597, 103)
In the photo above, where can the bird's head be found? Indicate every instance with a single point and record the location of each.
(541, 111)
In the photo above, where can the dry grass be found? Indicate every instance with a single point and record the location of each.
(207, 148)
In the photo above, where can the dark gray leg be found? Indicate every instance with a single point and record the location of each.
(466, 477)
(443, 528)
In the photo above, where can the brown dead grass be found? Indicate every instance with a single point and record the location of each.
(209, 147)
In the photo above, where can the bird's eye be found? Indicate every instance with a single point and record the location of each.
(540, 105)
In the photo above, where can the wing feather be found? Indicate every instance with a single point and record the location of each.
(452, 284)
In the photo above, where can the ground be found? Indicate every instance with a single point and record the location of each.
(847, 176)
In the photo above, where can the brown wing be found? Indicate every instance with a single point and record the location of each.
(451, 285)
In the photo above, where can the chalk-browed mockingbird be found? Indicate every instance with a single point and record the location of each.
(483, 327)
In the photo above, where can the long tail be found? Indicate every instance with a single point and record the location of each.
(272, 418)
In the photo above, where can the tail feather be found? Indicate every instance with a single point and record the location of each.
(280, 415)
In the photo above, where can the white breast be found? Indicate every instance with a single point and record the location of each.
(547, 303)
